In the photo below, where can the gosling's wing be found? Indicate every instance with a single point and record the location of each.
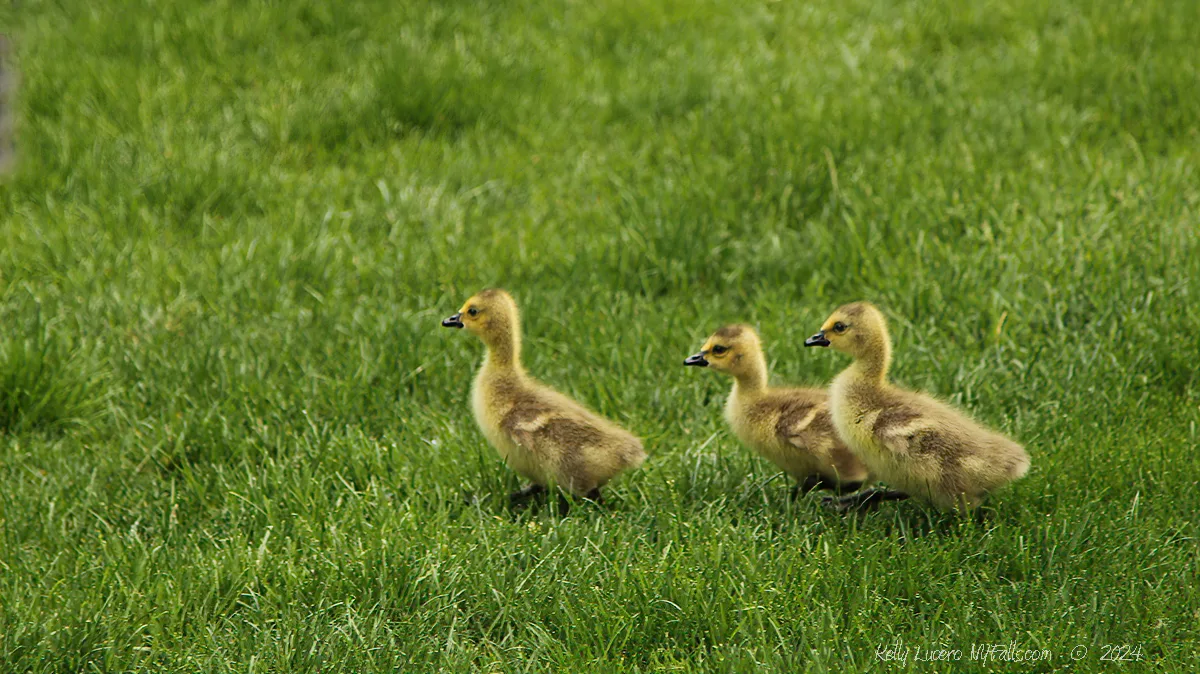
(928, 431)
(553, 434)
(967, 454)
(548, 424)
(806, 424)
(907, 429)
(803, 422)
(525, 420)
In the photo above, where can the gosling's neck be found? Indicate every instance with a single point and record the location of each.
(871, 366)
(750, 381)
(504, 352)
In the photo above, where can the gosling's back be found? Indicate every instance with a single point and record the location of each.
(924, 447)
(547, 437)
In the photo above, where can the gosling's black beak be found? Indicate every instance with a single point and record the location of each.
(454, 321)
(818, 339)
(696, 359)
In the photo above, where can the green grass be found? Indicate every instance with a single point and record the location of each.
(45, 384)
(234, 226)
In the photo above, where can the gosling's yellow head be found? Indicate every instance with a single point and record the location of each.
(858, 329)
(734, 350)
(490, 314)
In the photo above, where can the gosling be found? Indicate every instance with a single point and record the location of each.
(790, 427)
(920, 446)
(544, 436)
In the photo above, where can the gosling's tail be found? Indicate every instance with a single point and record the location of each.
(635, 454)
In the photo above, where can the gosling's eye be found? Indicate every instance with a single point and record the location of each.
(839, 327)
(473, 311)
(718, 349)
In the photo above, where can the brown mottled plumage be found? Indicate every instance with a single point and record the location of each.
(791, 427)
(541, 434)
(916, 444)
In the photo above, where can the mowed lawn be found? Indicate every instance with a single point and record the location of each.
(233, 436)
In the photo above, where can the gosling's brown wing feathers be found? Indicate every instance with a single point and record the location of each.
(806, 423)
(526, 420)
(554, 432)
(799, 417)
(901, 428)
(548, 423)
(923, 429)
(578, 448)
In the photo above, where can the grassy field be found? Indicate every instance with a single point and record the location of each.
(234, 438)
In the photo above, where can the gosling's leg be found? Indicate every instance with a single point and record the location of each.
(865, 500)
(564, 502)
(806, 485)
(813, 482)
(525, 493)
(984, 515)
(848, 487)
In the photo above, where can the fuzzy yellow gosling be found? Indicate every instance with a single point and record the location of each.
(790, 427)
(543, 435)
(918, 445)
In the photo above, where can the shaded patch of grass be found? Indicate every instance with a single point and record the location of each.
(46, 384)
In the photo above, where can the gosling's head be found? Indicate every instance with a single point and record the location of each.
(490, 314)
(858, 329)
(734, 350)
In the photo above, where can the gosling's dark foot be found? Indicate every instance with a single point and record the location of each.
(864, 500)
(525, 493)
(594, 496)
(814, 482)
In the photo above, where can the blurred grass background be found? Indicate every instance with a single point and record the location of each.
(233, 436)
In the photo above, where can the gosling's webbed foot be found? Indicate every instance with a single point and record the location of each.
(864, 500)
